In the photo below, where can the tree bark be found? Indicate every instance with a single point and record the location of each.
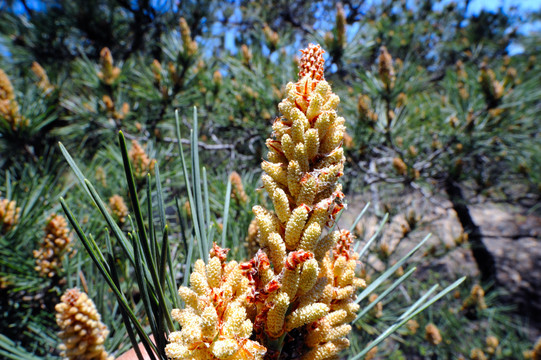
(484, 259)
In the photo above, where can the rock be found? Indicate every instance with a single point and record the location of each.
(514, 240)
(512, 236)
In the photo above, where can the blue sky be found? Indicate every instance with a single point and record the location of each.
(526, 5)
(475, 5)
(474, 8)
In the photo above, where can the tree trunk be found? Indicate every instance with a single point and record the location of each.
(484, 259)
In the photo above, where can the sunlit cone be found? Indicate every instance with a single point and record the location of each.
(157, 69)
(371, 354)
(301, 177)
(81, 331)
(108, 72)
(412, 325)
(189, 45)
(271, 36)
(108, 103)
(9, 107)
(43, 80)
(400, 166)
(187, 208)
(476, 299)
(118, 208)
(386, 69)
(432, 334)
(492, 344)
(510, 77)
(124, 110)
(536, 352)
(302, 279)
(366, 114)
(401, 100)
(9, 215)
(214, 322)
(140, 161)
(174, 75)
(477, 354)
(217, 78)
(55, 246)
(237, 190)
(377, 311)
(246, 54)
(454, 122)
(6, 88)
(336, 288)
(461, 73)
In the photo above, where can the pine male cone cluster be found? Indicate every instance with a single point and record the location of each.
(295, 297)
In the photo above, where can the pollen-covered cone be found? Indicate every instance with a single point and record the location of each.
(476, 300)
(9, 215)
(55, 246)
(118, 208)
(43, 80)
(190, 46)
(140, 161)
(337, 289)
(108, 72)
(81, 330)
(237, 190)
(432, 334)
(305, 161)
(214, 322)
(386, 69)
(9, 108)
